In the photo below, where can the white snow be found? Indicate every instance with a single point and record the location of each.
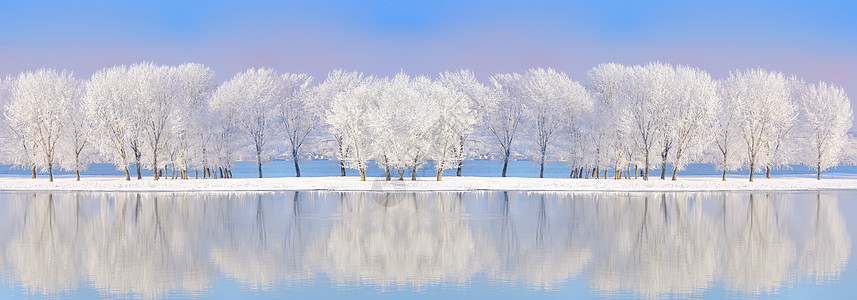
(701, 183)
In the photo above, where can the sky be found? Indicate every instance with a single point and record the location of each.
(815, 40)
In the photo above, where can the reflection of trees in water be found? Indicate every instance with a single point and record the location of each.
(825, 254)
(43, 255)
(397, 240)
(758, 250)
(118, 243)
(146, 245)
(264, 245)
(647, 244)
(652, 245)
(539, 241)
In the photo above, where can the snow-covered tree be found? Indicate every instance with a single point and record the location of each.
(156, 93)
(192, 135)
(392, 116)
(225, 139)
(726, 153)
(39, 109)
(552, 100)
(108, 108)
(780, 149)
(17, 148)
(297, 115)
(646, 94)
(763, 111)
(75, 145)
(504, 113)
(465, 82)
(348, 117)
(337, 82)
(414, 122)
(250, 98)
(827, 115)
(692, 115)
(609, 136)
(453, 121)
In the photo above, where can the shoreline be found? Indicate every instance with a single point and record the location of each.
(425, 184)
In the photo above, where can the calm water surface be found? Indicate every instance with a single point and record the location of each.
(428, 245)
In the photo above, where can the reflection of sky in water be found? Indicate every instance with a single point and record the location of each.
(453, 245)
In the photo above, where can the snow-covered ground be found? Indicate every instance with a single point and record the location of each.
(698, 183)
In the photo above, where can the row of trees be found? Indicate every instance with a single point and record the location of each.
(626, 118)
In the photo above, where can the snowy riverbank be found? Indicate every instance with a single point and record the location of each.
(698, 183)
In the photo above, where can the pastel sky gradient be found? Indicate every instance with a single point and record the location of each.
(816, 40)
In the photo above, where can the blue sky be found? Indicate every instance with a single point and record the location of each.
(816, 40)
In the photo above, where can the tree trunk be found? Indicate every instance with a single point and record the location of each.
(50, 172)
(768, 172)
(362, 175)
(752, 169)
(542, 165)
(127, 174)
(295, 158)
(505, 164)
(34, 171)
(646, 170)
(675, 172)
(229, 172)
(818, 165)
(461, 162)
(724, 175)
(439, 173)
(605, 173)
(195, 173)
(386, 168)
(636, 169)
(137, 155)
(258, 162)
(155, 165)
(342, 169)
(414, 173)
(220, 170)
(77, 174)
(663, 170)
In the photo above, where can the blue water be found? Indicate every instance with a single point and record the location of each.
(486, 168)
(455, 245)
